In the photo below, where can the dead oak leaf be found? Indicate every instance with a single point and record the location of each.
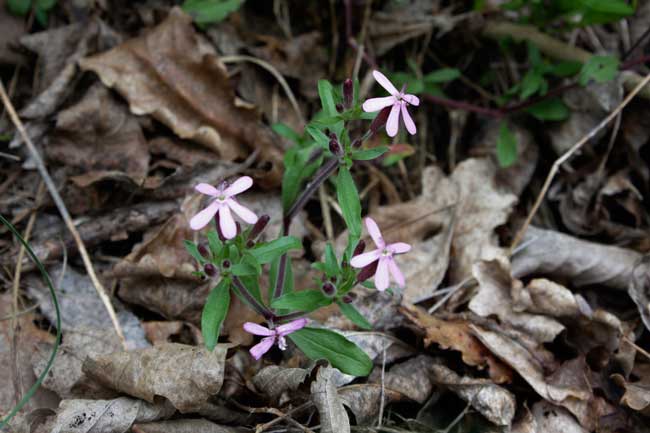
(173, 75)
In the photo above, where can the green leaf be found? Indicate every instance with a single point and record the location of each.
(369, 154)
(318, 136)
(210, 11)
(214, 243)
(565, 69)
(532, 83)
(243, 269)
(286, 131)
(550, 109)
(19, 7)
(353, 314)
(331, 263)
(441, 75)
(192, 248)
(266, 252)
(599, 68)
(326, 93)
(214, 312)
(304, 300)
(506, 146)
(332, 346)
(348, 198)
(297, 168)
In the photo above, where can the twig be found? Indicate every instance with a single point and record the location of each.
(58, 201)
(568, 154)
(636, 347)
(264, 427)
(269, 67)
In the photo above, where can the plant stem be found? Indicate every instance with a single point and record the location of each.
(291, 316)
(246, 294)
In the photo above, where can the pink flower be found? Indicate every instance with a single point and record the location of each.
(271, 335)
(223, 203)
(383, 254)
(398, 99)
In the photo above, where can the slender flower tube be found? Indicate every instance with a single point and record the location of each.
(383, 255)
(271, 336)
(223, 203)
(398, 100)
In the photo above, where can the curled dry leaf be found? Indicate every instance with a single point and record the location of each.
(175, 76)
(186, 375)
(184, 426)
(411, 378)
(639, 289)
(494, 402)
(159, 331)
(105, 416)
(364, 400)
(456, 334)
(637, 393)
(275, 380)
(333, 417)
(548, 418)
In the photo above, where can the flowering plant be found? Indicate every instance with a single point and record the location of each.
(235, 257)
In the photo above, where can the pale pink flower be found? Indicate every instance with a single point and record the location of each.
(398, 99)
(272, 335)
(384, 254)
(223, 202)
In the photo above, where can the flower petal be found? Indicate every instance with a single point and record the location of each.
(227, 223)
(385, 83)
(365, 259)
(240, 185)
(290, 327)
(408, 121)
(374, 233)
(392, 124)
(397, 274)
(411, 99)
(399, 248)
(262, 347)
(255, 329)
(207, 189)
(375, 104)
(381, 276)
(244, 213)
(202, 218)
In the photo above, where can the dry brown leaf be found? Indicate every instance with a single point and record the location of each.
(547, 418)
(637, 393)
(98, 134)
(333, 417)
(12, 29)
(411, 378)
(185, 426)
(275, 380)
(494, 402)
(159, 331)
(173, 75)
(186, 375)
(639, 289)
(457, 335)
(364, 400)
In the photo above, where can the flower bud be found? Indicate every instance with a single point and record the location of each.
(360, 248)
(238, 226)
(250, 243)
(225, 264)
(210, 270)
(367, 272)
(335, 147)
(339, 108)
(259, 226)
(348, 89)
(203, 250)
(329, 289)
(356, 143)
(380, 120)
(349, 298)
(222, 238)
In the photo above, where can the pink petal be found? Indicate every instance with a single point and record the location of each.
(365, 259)
(376, 104)
(399, 248)
(408, 121)
(207, 189)
(374, 233)
(202, 218)
(227, 223)
(255, 329)
(244, 213)
(240, 185)
(381, 276)
(411, 99)
(290, 327)
(262, 347)
(392, 124)
(398, 276)
(385, 83)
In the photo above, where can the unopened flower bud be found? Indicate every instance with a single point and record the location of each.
(225, 264)
(210, 270)
(380, 120)
(250, 243)
(356, 143)
(360, 248)
(367, 272)
(329, 289)
(348, 89)
(339, 108)
(349, 298)
(222, 238)
(203, 250)
(259, 226)
(335, 147)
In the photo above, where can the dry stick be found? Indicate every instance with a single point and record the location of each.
(58, 201)
(263, 427)
(568, 154)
